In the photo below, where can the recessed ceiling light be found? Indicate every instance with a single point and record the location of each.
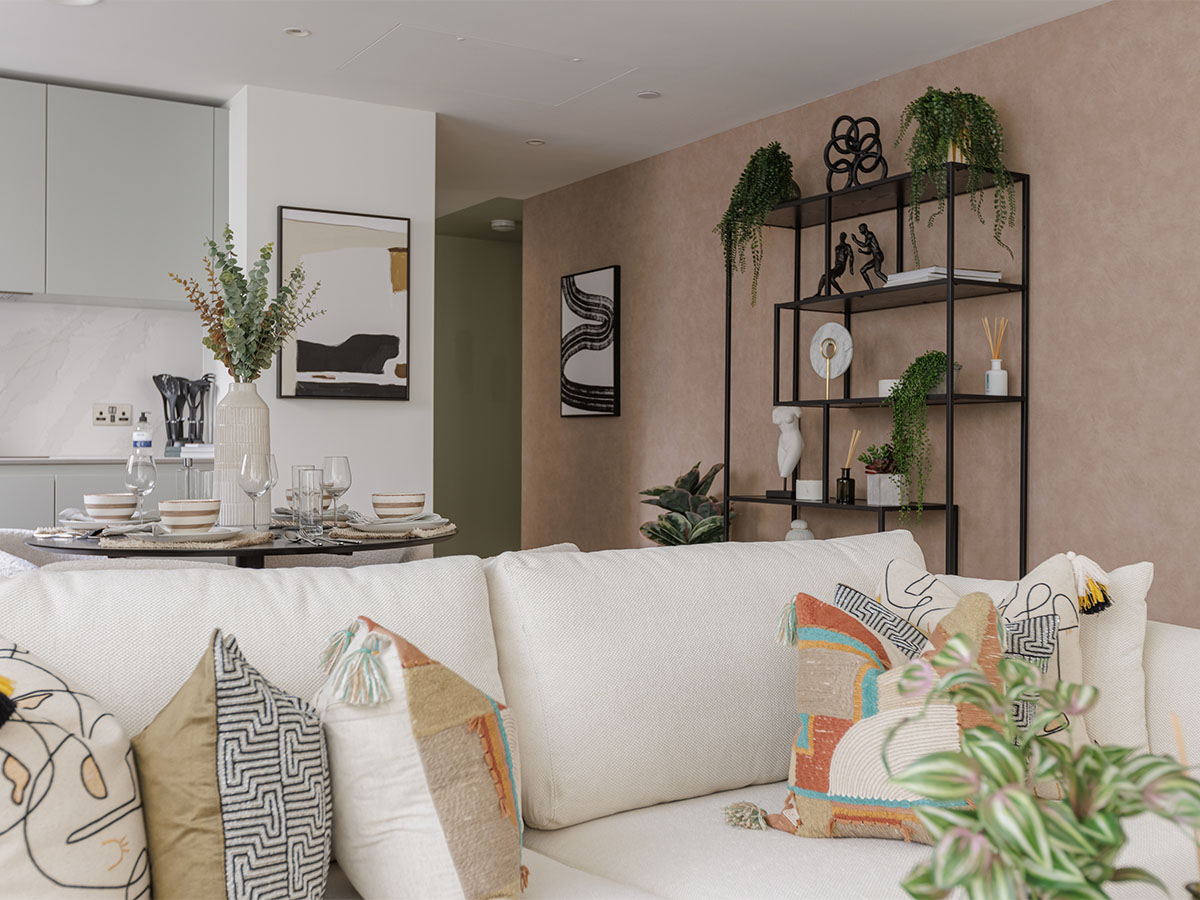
(648, 95)
(294, 31)
(504, 224)
(535, 142)
(460, 38)
(576, 59)
(76, 2)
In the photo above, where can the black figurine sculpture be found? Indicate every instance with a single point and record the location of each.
(843, 255)
(860, 148)
(869, 246)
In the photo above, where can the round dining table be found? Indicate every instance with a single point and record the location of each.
(252, 557)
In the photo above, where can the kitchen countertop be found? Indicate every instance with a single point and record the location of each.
(86, 460)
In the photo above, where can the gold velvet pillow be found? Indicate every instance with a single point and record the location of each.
(236, 785)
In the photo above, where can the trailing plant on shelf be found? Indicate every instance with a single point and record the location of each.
(946, 121)
(766, 180)
(878, 460)
(993, 837)
(692, 516)
(910, 427)
(244, 326)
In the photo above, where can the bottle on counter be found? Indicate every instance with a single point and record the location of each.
(142, 435)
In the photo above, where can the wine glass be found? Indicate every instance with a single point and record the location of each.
(336, 480)
(256, 477)
(140, 475)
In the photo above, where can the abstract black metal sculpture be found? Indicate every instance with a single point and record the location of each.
(859, 147)
(869, 246)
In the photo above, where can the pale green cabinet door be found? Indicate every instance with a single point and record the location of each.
(22, 187)
(129, 193)
(26, 501)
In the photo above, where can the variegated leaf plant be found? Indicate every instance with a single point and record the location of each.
(1004, 842)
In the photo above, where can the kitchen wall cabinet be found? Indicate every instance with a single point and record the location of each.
(129, 193)
(22, 187)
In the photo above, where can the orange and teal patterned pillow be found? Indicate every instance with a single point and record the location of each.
(423, 782)
(848, 700)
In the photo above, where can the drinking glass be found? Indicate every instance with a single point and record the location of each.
(140, 475)
(295, 501)
(256, 477)
(308, 501)
(337, 480)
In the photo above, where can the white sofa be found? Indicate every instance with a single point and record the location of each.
(646, 685)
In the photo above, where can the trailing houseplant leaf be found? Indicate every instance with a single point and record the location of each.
(910, 427)
(766, 180)
(947, 119)
(1002, 840)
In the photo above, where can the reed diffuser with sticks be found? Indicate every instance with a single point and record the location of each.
(845, 484)
(995, 380)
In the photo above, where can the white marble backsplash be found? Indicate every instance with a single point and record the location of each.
(57, 359)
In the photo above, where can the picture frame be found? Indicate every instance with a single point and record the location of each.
(359, 349)
(590, 343)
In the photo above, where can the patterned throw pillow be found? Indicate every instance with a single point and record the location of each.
(1044, 599)
(236, 785)
(848, 699)
(422, 774)
(70, 807)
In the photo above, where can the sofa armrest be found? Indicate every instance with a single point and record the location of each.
(1171, 662)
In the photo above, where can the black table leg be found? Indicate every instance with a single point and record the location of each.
(250, 562)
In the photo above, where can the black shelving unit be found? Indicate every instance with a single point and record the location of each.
(822, 210)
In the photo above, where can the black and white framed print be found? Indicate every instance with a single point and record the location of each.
(359, 348)
(591, 351)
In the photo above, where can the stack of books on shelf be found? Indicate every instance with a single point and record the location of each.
(938, 273)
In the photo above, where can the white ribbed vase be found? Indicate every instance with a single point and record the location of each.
(242, 423)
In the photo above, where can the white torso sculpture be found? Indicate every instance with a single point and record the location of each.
(791, 443)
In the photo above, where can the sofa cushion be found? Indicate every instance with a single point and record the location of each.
(70, 806)
(422, 774)
(235, 780)
(14, 565)
(1111, 647)
(132, 635)
(643, 676)
(685, 851)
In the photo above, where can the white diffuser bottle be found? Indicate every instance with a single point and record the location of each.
(995, 380)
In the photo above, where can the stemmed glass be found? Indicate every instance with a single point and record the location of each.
(257, 476)
(140, 475)
(336, 480)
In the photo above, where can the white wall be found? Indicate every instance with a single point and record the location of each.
(291, 149)
(57, 359)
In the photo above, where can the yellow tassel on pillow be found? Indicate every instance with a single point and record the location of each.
(1091, 585)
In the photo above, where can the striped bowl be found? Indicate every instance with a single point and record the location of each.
(110, 507)
(189, 515)
(397, 506)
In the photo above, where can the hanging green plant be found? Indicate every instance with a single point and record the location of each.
(766, 180)
(949, 121)
(910, 428)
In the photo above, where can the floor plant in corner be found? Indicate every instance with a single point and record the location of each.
(993, 836)
(692, 517)
(955, 126)
(766, 180)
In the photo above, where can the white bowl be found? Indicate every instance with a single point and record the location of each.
(189, 515)
(110, 508)
(397, 506)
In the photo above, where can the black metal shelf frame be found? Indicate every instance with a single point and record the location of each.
(862, 200)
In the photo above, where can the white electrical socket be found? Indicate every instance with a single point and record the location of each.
(112, 413)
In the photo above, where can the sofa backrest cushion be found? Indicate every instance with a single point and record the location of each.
(132, 636)
(643, 676)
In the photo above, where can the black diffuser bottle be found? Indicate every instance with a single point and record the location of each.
(845, 488)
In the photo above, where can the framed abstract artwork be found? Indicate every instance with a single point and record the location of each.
(590, 368)
(359, 348)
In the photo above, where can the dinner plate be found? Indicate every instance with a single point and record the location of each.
(399, 526)
(219, 533)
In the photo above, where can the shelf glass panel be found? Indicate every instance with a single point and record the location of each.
(900, 296)
(824, 504)
(932, 400)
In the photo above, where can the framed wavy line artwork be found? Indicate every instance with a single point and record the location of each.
(590, 368)
(358, 350)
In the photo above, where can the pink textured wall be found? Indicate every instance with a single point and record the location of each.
(1099, 109)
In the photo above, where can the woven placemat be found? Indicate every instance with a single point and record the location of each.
(351, 534)
(245, 539)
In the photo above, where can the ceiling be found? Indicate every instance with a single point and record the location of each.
(476, 221)
(499, 72)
